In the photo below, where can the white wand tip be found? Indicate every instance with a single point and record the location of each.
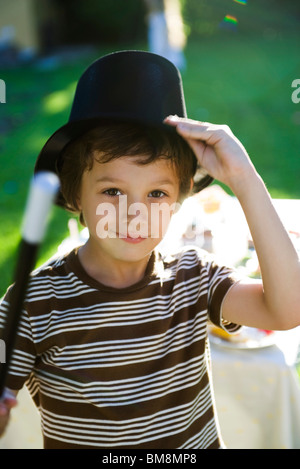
(43, 190)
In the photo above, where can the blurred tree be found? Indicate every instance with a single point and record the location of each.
(125, 21)
(166, 32)
(97, 21)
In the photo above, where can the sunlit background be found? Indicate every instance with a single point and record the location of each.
(238, 60)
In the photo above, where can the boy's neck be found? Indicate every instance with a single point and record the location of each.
(110, 272)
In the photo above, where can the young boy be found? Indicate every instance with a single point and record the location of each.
(113, 339)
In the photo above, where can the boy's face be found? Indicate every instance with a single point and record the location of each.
(127, 206)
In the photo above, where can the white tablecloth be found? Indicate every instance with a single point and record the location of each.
(24, 430)
(257, 394)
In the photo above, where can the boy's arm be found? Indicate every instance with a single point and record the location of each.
(274, 302)
(7, 402)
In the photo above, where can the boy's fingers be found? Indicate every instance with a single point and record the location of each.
(175, 120)
(7, 393)
(4, 409)
(6, 406)
(7, 401)
(205, 131)
(10, 402)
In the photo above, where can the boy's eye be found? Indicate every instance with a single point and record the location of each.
(157, 194)
(112, 192)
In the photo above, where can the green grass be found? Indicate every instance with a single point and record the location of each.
(37, 103)
(239, 80)
(246, 83)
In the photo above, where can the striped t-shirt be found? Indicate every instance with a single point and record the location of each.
(122, 368)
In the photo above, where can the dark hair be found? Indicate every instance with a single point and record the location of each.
(113, 140)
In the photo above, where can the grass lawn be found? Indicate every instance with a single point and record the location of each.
(239, 80)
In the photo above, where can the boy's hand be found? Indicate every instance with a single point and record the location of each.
(7, 402)
(218, 151)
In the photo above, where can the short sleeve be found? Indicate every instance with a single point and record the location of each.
(221, 280)
(24, 355)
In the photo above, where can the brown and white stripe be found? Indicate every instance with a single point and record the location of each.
(121, 368)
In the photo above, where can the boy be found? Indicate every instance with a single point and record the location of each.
(113, 341)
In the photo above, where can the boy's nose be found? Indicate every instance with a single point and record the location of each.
(133, 207)
(137, 209)
(134, 212)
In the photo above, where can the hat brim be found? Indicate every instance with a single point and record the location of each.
(48, 159)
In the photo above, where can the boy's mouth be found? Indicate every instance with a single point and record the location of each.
(134, 239)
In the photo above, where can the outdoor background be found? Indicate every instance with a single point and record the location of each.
(238, 72)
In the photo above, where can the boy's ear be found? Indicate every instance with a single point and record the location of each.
(176, 207)
(78, 203)
(181, 199)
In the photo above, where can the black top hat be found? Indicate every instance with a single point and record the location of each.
(124, 86)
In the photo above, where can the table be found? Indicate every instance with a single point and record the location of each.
(257, 394)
